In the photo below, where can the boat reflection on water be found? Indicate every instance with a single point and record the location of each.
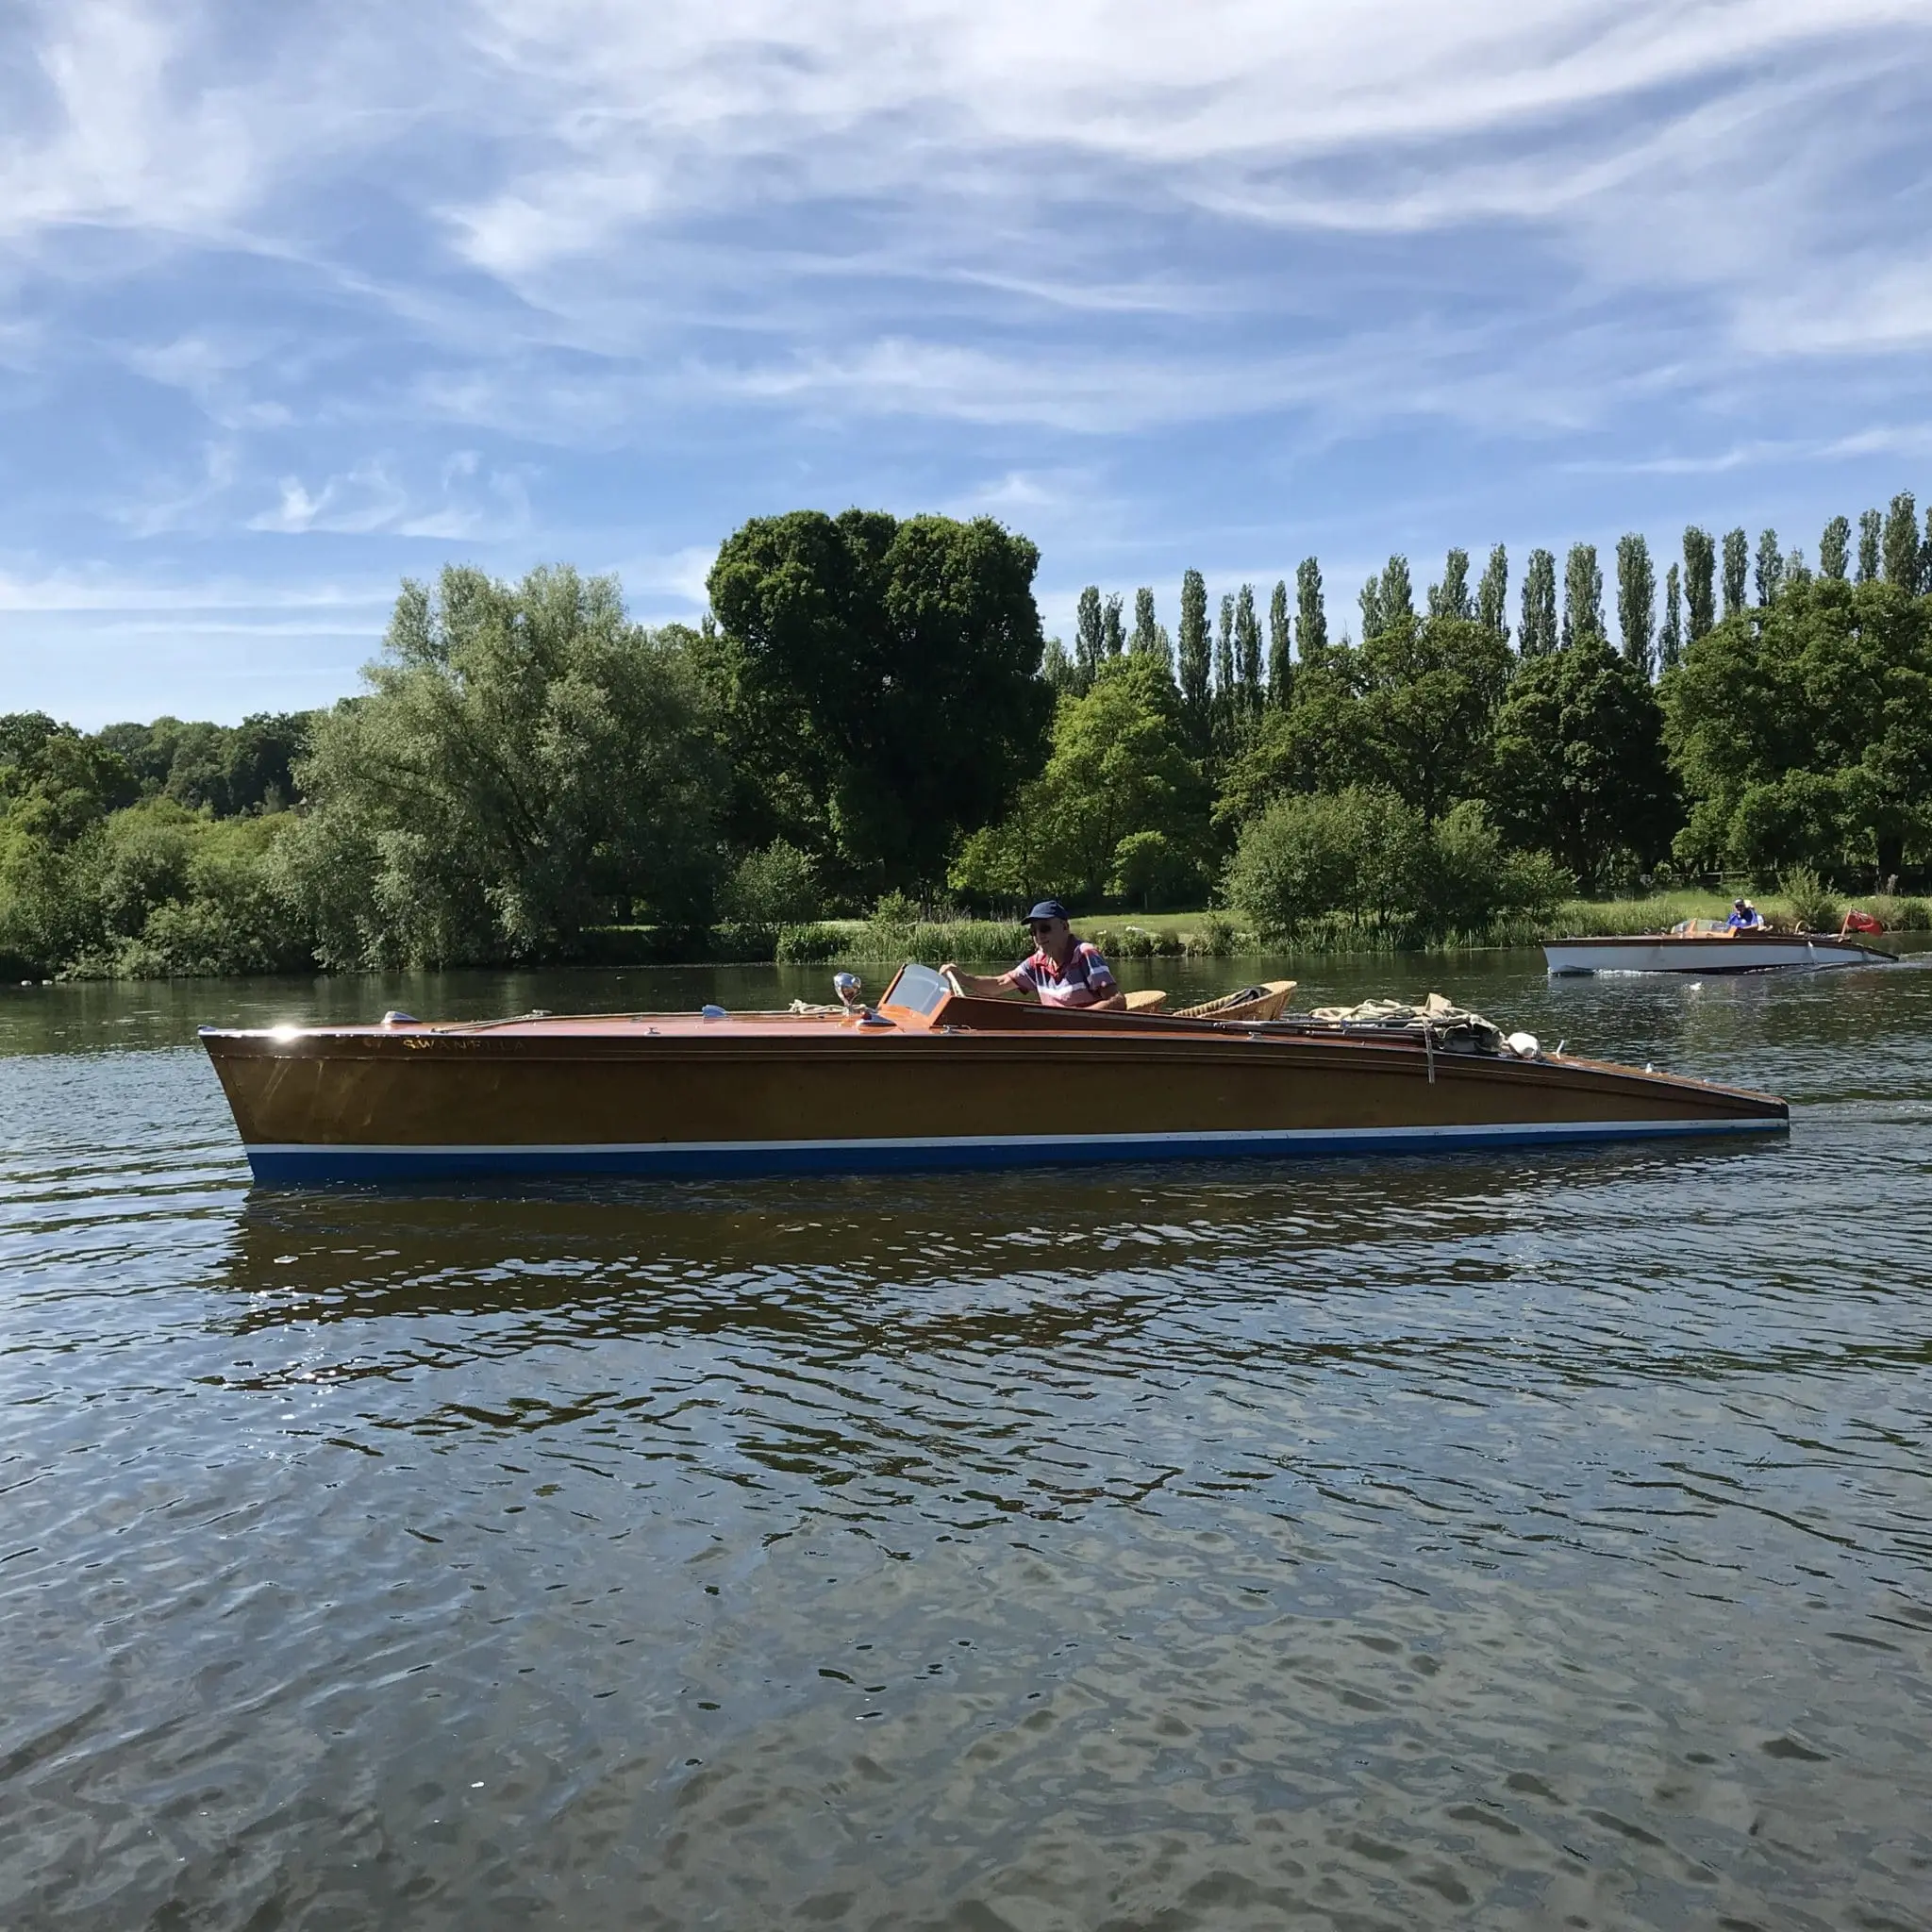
(930, 1078)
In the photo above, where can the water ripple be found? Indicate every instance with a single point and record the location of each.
(1518, 1541)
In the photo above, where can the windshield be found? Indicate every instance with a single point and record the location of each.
(918, 990)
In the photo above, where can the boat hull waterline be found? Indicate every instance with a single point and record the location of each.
(1709, 954)
(959, 1087)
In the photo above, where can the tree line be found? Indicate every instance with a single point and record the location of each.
(870, 708)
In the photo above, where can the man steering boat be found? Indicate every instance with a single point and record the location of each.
(1061, 970)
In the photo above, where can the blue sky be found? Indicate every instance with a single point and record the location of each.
(297, 300)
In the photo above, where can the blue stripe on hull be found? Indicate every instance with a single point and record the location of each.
(313, 1166)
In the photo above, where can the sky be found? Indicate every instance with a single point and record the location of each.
(297, 300)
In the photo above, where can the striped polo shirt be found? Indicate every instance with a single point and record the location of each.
(1081, 982)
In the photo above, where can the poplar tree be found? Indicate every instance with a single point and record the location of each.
(1145, 641)
(1311, 612)
(1671, 640)
(1398, 594)
(1196, 659)
(1636, 599)
(1771, 567)
(1493, 595)
(1925, 554)
(1901, 543)
(1371, 602)
(1113, 636)
(1737, 570)
(1223, 657)
(1583, 594)
(1835, 549)
(1450, 598)
(1247, 652)
(1700, 583)
(1536, 636)
(1087, 637)
(1797, 573)
(1280, 648)
(1869, 522)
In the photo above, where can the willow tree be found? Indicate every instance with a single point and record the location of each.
(526, 762)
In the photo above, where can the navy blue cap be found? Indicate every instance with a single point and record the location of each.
(1048, 908)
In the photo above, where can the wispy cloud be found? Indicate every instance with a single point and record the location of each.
(575, 277)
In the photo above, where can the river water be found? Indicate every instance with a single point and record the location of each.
(1515, 1541)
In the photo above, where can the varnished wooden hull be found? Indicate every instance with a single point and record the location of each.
(617, 1097)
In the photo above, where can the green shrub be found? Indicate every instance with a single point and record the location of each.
(1902, 915)
(1364, 858)
(775, 888)
(1359, 852)
(1812, 904)
(1215, 937)
(743, 941)
(806, 945)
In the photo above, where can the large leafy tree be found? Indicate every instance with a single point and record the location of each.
(525, 762)
(1120, 807)
(1578, 768)
(1409, 711)
(885, 673)
(1805, 737)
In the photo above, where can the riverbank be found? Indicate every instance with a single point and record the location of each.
(1199, 934)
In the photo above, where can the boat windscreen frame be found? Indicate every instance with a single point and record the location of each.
(917, 991)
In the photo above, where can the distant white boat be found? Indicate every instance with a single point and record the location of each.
(1712, 950)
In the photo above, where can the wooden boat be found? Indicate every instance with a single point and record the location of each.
(930, 1078)
(1705, 947)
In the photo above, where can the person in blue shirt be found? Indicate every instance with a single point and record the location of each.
(1744, 917)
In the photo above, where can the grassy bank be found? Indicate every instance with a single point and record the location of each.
(1197, 935)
